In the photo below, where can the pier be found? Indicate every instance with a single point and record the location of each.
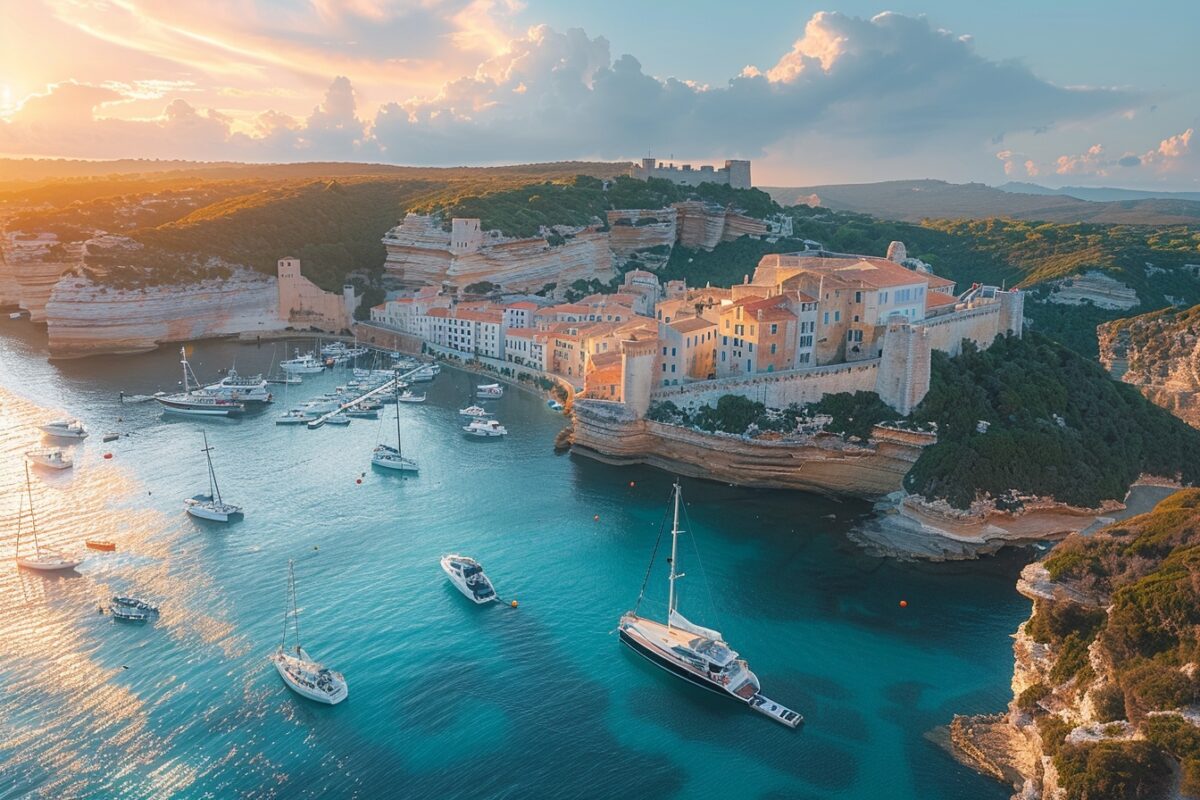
(386, 387)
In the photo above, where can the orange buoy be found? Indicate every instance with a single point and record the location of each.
(513, 604)
(904, 604)
(108, 455)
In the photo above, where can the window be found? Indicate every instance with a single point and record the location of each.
(774, 329)
(849, 336)
(672, 351)
(664, 351)
(837, 316)
(672, 368)
(806, 341)
(722, 355)
(664, 366)
(826, 317)
(858, 297)
(725, 341)
(772, 348)
(804, 358)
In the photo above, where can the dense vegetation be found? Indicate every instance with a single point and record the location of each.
(1058, 426)
(1142, 578)
(850, 415)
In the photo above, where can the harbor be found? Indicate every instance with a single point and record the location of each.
(445, 694)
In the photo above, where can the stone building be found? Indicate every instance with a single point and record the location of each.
(303, 303)
(735, 174)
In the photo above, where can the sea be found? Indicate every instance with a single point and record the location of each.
(448, 699)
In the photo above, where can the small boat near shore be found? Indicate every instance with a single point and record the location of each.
(409, 397)
(197, 402)
(64, 429)
(489, 391)
(51, 458)
(295, 416)
(299, 671)
(485, 429)
(468, 577)
(306, 364)
(387, 457)
(126, 614)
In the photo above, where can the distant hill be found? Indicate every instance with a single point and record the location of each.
(1099, 194)
(913, 201)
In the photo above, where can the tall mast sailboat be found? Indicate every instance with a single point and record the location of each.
(388, 457)
(210, 506)
(304, 676)
(697, 654)
(43, 559)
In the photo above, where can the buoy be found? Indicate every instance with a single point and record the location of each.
(596, 518)
(316, 547)
(904, 604)
(513, 603)
(632, 484)
(108, 455)
(358, 480)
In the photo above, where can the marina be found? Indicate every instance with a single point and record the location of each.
(465, 698)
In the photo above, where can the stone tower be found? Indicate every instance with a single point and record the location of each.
(288, 284)
(739, 174)
(1012, 312)
(466, 236)
(903, 379)
(637, 374)
(897, 252)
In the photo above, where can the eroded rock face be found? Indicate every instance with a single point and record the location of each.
(1160, 354)
(1095, 288)
(30, 265)
(84, 318)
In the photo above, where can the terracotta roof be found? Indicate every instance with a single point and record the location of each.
(936, 281)
(568, 308)
(524, 305)
(380, 307)
(438, 312)
(774, 315)
(494, 317)
(934, 299)
(690, 324)
(601, 360)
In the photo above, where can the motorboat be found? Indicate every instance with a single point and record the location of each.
(247, 389)
(490, 391)
(299, 671)
(425, 373)
(338, 419)
(302, 364)
(295, 416)
(210, 506)
(65, 429)
(485, 429)
(43, 559)
(473, 411)
(694, 653)
(554, 405)
(357, 412)
(409, 397)
(125, 614)
(135, 602)
(51, 458)
(388, 457)
(197, 402)
(468, 577)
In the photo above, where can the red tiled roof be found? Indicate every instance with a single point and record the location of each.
(524, 305)
(934, 299)
(494, 317)
(438, 312)
(522, 333)
(690, 324)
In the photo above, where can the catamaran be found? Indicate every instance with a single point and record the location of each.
(467, 576)
(65, 429)
(210, 506)
(197, 402)
(44, 559)
(302, 675)
(389, 457)
(698, 655)
(51, 458)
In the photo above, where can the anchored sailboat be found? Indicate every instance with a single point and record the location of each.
(304, 676)
(389, 457)
(698, 655)
(210, 506)
(198, 402)
(43, 559)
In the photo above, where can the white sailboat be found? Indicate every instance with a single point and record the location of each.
(197, 402)
(388, 457)
(697, 654)
(302, 675)
(210, 506)
(44, 559)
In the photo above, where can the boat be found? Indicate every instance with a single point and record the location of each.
(65, 429)
(302, 364)
(697, 654)
(43, 559)
(299, 671)
(15, 315)
(489, 391)
(135, 602)
(473, 411)
(295, 416)
(425, 373)
(554, 405)
(467, 576)
(338, 419)
(485, 429)
(126, 614)
(100, 544)
(362, 413)
(409, 397)
(286, 380)
(197, 402)
(392, 458)
(210, 506)
(248, 389)
(51, 458)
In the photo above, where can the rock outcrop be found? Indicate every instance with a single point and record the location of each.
(30, 266)
(84, 317)
(632, 232)
(1096, 288)
(1160, 354)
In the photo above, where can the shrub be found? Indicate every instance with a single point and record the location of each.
(1112, 770)
(1028, 700)
(1109, 702)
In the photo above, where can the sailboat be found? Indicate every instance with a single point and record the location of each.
(697, 654)
(304, 676)
(43, 559)
(210, 506)
(198, 402)
(389, 457)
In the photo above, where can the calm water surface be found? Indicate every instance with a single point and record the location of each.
(447, 699)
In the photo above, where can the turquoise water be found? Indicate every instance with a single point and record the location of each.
(448, 699)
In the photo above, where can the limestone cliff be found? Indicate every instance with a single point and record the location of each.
(30, 266)
(84, 317)
(1096, 288)
(1104, 671)
(1160, 354)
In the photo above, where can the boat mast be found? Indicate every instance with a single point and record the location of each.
(295, 610)
(37, 546)
(213, 489)
(674, 549)
(396, 389)
(183, 361)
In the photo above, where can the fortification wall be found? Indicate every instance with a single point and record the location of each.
(302, 302)
(981, 325)
(388, 338)
(608, 432)
(777, 389)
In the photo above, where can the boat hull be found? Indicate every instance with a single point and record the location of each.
(394, 466)
(280, 662)
(678, 670)
(460, 583)
(199, 411)
(47, 564)
(201, 510)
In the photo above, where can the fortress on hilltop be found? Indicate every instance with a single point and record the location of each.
(735, 174)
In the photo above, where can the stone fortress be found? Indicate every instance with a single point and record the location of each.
(735, 174)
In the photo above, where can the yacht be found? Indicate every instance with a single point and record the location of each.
(698, 655)
(302, 364)
(248, 389)
(43, 559)
(51, 458)
(126, 614)
(360, 412)
(65, 429)
(295, 416)
(425, 373)
(210, 506)
(389, 457)
(136, 603)
(409, 397)
(302, 675)
(197, 402)
(485, 429)
(490, 391)
(473, 411)
(339, 418)
(467, 576)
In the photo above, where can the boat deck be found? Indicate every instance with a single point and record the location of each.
(777, 712)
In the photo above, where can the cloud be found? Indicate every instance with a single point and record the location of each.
(889, 85)
(1091, 162)
(1170, 155)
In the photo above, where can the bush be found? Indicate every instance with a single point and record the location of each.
(1028, 700)
(1112, 770)
(1109, 702)
(1053, 731)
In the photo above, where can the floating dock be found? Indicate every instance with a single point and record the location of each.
(781, 714)
(386, 387)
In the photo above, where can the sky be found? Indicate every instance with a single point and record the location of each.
(1065, 93)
